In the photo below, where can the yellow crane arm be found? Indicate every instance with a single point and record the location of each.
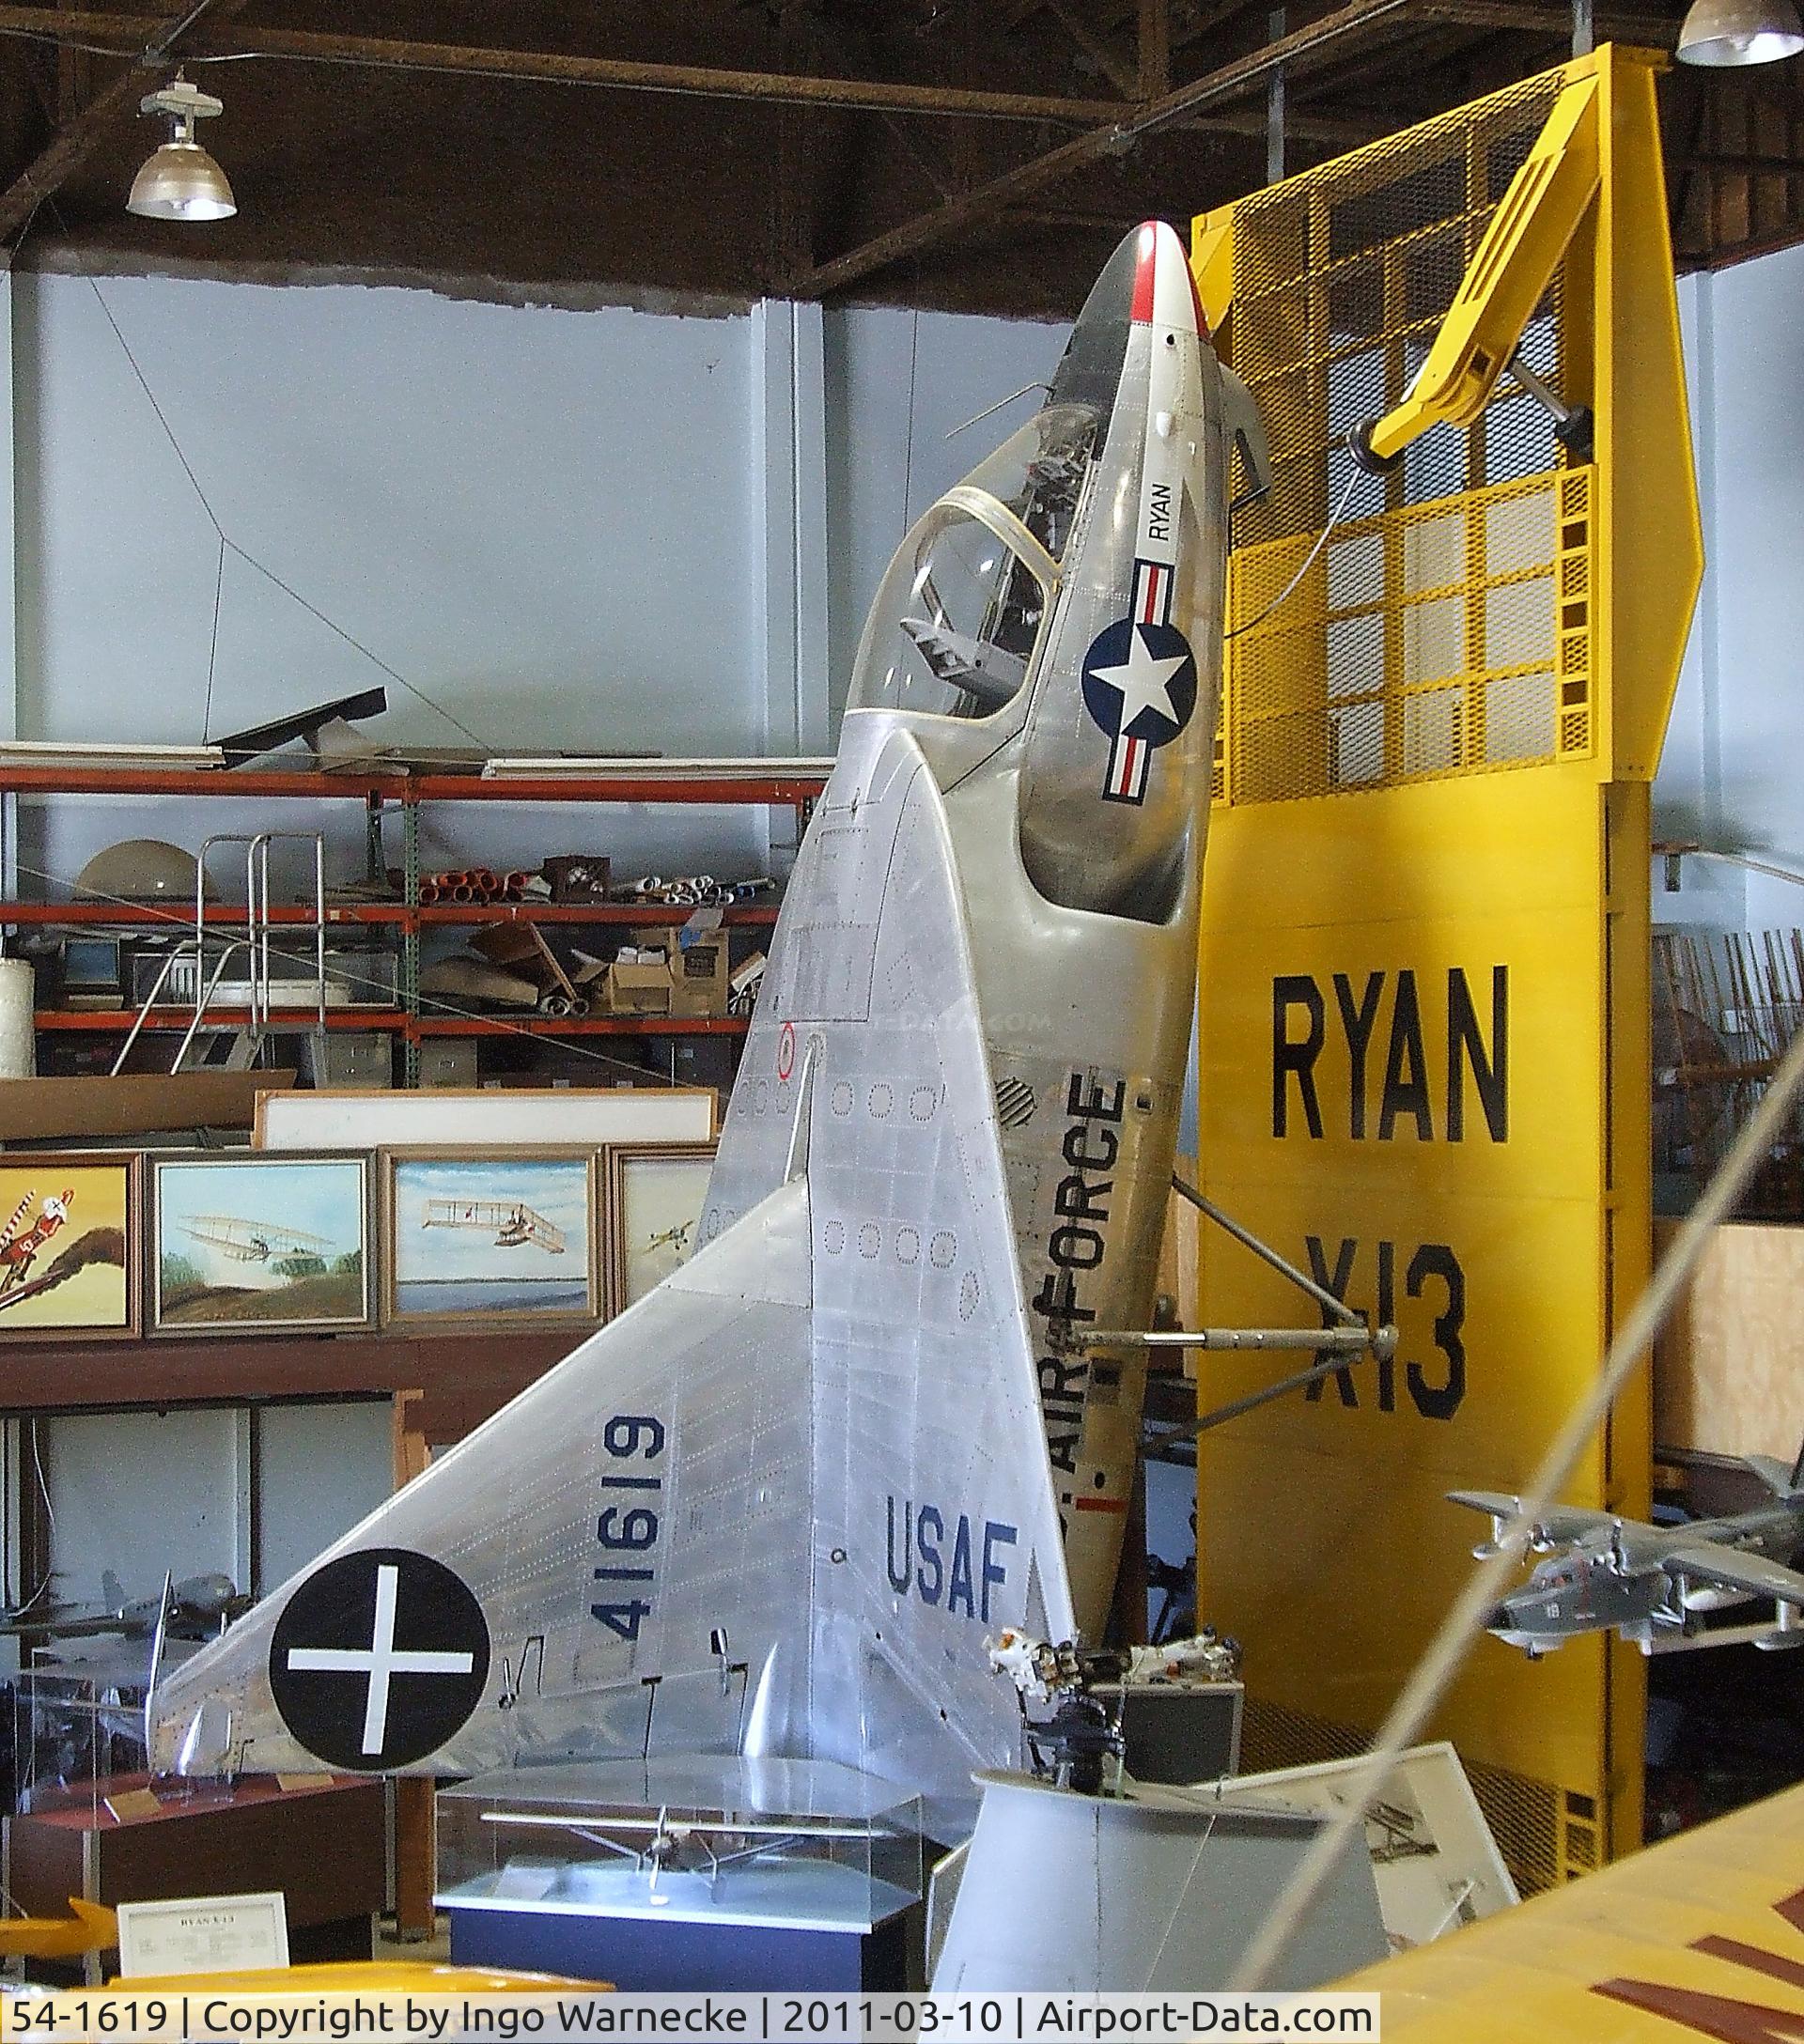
(1515, 262)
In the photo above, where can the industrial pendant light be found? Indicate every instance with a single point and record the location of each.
(181, 181)
(1722, 33)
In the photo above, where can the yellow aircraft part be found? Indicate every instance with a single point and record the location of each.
(1701, 1936)
(88, 1928)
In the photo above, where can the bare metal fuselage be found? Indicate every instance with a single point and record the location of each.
(776, 1508)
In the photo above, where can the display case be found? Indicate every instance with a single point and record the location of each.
(78, 1737)
(690, 1871)
(90, 1822)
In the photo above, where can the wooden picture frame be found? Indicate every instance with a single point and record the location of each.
(92, 1200)
(521, 1213)
(495, 1117)
(634, 1266)
(289, 1251)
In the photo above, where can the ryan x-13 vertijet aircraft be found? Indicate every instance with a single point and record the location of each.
(775, 1509)
(1650, 1581)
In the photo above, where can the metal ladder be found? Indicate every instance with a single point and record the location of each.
(255, 944)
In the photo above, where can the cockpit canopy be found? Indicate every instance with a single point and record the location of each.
(959, 617)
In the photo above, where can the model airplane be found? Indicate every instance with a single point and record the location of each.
(1650, 1583)
(197, 1607)
(776, 1508)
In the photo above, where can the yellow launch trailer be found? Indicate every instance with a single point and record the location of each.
(1425, 951)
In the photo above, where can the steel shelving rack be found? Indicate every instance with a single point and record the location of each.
(385, 793)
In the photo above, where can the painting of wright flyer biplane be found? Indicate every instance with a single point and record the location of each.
(68, 1226)
(503, 1235)
(260, 1242)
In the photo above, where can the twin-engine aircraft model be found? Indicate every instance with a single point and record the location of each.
(1650, 1581)
(197, 1607)
(775, 1509)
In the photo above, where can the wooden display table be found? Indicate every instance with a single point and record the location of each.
(323, 1845)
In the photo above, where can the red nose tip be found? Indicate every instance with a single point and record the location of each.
(1146, 265)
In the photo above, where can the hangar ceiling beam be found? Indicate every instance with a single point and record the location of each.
(1197, 96)
(1155, 48)
(1124, 77)
(547, 67)
(1649, 31)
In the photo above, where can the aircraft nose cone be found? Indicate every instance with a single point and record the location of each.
(1146, 279)
(1502, 1619)
(1148, 266)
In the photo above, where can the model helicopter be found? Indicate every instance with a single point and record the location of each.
(1650, 1584)
(861, 1424)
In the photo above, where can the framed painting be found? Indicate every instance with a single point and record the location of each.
(489, 1237)
(654, 1209)
(68, 1245)
(251, 1243)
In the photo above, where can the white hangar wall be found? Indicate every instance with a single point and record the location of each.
(571, 529)
(1728, 777)
(576, 530)
(612, 527)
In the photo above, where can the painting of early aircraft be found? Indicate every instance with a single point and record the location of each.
(477, 1237)
(290, 1252)
(220, 1261)
(514, 1224)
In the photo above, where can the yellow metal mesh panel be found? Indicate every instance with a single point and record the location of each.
(1437, 639)
(1445, 627)
(1545, 1834)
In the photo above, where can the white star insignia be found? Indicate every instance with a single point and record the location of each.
(1145, 681)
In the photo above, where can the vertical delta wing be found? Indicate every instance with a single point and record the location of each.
(776, 1506)
(615, 1562)
(935, 1520)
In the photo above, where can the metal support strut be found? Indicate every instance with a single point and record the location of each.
(1351, 1338)
(1327, 1300)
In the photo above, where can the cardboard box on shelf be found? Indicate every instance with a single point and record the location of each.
(638, 984)
(363, 1057)
(698, 974)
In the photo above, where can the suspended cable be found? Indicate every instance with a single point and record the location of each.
(212, 645)
(1309, 560)
(201, 497)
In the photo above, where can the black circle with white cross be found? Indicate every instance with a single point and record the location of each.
(379, 1659)
(1140, 681)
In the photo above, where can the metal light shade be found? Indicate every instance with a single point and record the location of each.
(1722, 33)
(181, 181)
